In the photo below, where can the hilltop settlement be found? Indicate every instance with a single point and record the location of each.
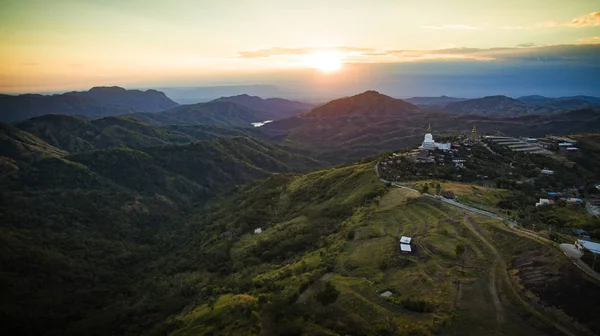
(551, 195)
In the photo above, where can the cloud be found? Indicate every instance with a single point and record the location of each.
(526, 45)
(587, 52)
(588, 20)
(589, 40)
(278, 51)
(452, 27)
(592, 19)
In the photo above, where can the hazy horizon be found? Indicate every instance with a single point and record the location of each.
(400, 48)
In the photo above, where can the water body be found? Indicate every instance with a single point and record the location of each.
(261, 123)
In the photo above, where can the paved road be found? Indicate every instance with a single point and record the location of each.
(574, 254)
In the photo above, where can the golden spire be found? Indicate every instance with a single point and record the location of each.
(429, 128)
(474, 131)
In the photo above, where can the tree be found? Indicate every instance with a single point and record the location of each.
(328, 295)
(424, 189)
(438, 188)
(460, 251)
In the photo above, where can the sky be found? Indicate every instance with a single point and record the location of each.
(61, 45)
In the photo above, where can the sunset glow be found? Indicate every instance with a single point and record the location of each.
(326, 61)
(68, 44)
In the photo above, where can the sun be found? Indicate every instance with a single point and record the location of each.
(326, 61)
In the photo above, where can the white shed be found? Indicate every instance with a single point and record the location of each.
(257, 231)
(405, 240)
(405, 248)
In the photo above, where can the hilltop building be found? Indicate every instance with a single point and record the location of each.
(430, 144)
(473, 138)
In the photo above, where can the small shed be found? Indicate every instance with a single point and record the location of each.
(405, 240)
(405, 248)
(387, 293)
(257, 231)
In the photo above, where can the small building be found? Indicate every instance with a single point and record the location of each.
(582, 245)
(257, 231)
(547, 172)
(572, 149)
(387, 293)
(531, 140)
(405, 244)
(581, 233)
(544, 201)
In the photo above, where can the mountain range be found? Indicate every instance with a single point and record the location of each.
(362, 125)
(503, 106)
(97, 102)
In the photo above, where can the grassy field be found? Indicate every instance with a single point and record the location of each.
(468, 193)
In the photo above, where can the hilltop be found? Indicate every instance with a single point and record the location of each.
(369, 104)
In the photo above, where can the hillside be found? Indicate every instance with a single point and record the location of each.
(77, 230)
(97, 102)
(433, 101)
(271, 108)
(328, 248)
(75, 135)
(493, 106)
(224, 113)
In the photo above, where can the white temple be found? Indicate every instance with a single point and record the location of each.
(430, 144)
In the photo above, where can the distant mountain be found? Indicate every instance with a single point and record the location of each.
(201, 94)
(562, 103)
(493, 106)
(434, 101)
(224, 113)
(369, 104)
(272, 108)
(145, 101)
(97, 102)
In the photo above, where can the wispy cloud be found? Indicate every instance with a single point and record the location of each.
(590, 40)
(279, 51)
(452, 27)
(592, 19)
(588, 20)
(526, 45)
(586, 51)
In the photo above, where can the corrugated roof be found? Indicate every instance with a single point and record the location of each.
(593, 247)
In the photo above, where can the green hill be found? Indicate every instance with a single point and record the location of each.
(224, 113)
(75, 135)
